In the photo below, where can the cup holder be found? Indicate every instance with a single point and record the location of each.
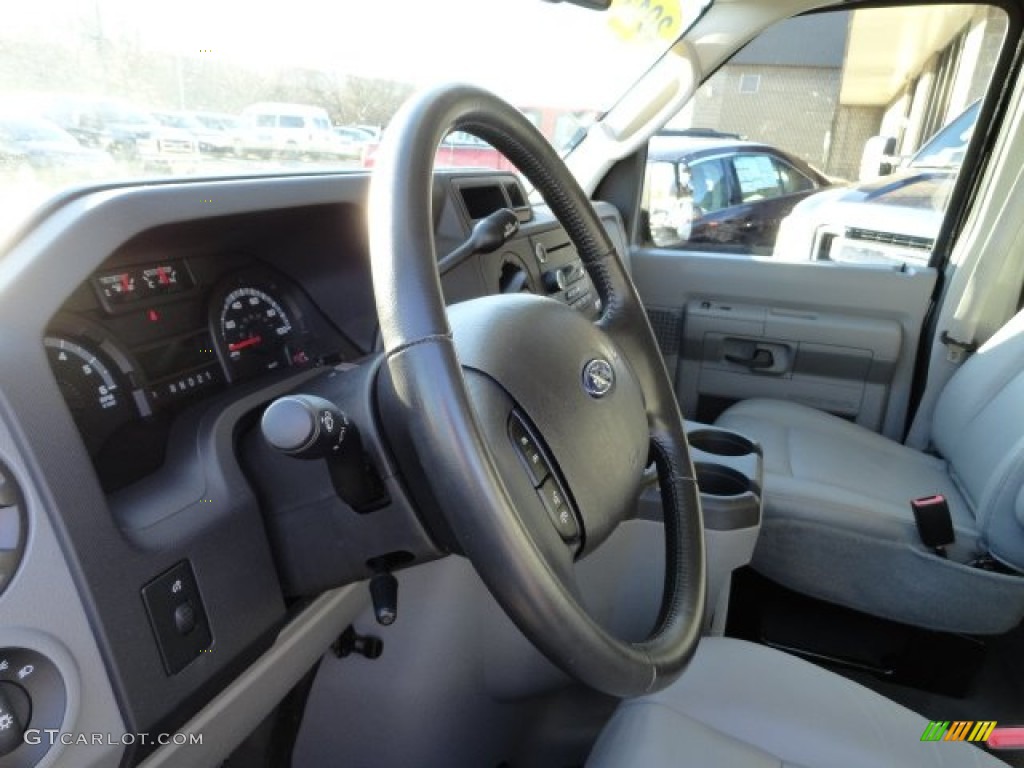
(716, 480)
(720, 442)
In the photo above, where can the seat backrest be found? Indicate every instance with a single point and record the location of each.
(978, 428)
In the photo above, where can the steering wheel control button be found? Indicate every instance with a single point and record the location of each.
(559, 510)
(528, 450)
(598, 377)
(177, 617)
(32, 695)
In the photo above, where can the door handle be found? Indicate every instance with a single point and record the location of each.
(761, 358)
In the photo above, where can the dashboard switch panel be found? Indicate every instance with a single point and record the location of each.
(32, 701)
(177, 617)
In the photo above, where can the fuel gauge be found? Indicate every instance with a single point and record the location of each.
(117, 287)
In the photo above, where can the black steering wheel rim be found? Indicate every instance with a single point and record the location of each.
(426, 378)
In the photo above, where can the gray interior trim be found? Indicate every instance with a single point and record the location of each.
(878, 301)
(42, 604)
(240, 707)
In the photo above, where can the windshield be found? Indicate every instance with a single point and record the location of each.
(947, 147)
(101, 70)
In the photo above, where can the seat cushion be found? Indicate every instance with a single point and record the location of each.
(837, 523)
(744, 705)
(823, 469)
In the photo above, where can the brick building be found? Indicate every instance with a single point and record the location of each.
(820, 86)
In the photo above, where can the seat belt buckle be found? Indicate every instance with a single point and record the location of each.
(957, 350)
(934, 522)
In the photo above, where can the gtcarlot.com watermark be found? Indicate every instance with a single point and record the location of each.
(52, 737)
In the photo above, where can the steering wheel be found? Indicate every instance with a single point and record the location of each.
(525, 427)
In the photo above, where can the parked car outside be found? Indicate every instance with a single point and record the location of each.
(374, 131)
(890, 220)
(352, 140)
(31, 147)
(130, 134)
(211, 140)
(713, 190)
(272, 129)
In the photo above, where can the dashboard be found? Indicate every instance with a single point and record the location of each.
(145, 338)
(149, 328)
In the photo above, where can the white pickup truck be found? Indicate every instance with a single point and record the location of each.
(891, 220)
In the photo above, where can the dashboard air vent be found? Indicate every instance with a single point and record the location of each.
(515, 195)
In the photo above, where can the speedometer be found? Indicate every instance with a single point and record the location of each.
(254, 330)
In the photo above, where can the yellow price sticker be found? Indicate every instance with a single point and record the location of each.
(645, 20)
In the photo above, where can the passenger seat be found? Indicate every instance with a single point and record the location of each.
(838, 523)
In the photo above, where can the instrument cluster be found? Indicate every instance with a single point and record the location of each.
(146, 341)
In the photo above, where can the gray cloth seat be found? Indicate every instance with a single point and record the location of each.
(748, 706)
(837, 519)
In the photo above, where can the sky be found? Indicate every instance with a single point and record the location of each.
(524, 49)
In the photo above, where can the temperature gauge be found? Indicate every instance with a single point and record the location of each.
(164, 278)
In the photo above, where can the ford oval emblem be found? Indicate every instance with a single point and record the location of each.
(598, 377)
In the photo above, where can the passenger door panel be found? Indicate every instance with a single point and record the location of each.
(836, 337)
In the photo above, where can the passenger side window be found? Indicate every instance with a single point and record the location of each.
(831, 137)
(757, 177)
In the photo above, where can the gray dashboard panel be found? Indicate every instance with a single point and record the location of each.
(76, 595)
(73, 537)
(240, 708)
(42, 610)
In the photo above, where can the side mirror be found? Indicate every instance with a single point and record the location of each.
(879, 158)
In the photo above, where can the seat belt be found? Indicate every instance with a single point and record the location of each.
(988, 298)
(983, 292)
